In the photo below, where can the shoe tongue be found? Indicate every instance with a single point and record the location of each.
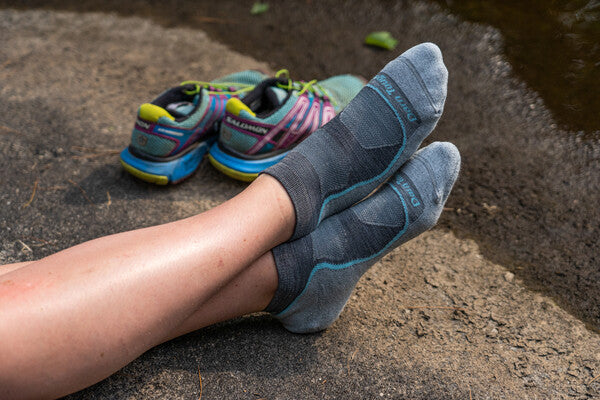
(183, 108)
(266, 97)
(180, 108)
(275, 95)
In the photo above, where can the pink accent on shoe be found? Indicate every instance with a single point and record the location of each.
(301, 103)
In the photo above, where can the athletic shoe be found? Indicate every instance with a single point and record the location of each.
(258, 130)
(174, 131)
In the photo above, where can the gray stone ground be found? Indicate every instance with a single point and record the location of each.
(433, 320)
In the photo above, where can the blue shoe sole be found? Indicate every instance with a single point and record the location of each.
(163, 173)
(238, 168)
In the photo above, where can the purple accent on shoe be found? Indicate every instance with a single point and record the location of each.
(149, 130)
(217, 105)
(305, 116)
(300, 109)
(318, 114)
(301, 103)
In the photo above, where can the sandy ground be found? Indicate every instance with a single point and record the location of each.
(434, 320)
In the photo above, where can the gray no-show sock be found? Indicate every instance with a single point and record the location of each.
(318, 272)
(345, 160)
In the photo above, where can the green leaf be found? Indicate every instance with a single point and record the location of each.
(381, 39)
(259, 8)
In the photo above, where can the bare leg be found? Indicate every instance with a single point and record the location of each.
(73, 318)
(6, 268)
(250, 292)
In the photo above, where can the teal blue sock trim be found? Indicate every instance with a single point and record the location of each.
(379, 176)
(317, 273)
(358, 261)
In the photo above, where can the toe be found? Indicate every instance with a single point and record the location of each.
(444, 160)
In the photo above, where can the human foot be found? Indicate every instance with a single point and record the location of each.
(344, 161)
(318, 272)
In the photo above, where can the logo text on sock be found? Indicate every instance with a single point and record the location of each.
(396, 98)
(403, 183)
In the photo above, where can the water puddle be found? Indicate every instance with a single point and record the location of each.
(554, 46)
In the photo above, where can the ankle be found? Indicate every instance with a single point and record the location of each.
(267, 278)
(282, 204)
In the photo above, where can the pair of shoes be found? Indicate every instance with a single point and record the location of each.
(173, 132)
(263, 118)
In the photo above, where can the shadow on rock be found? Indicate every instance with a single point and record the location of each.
(254, 357)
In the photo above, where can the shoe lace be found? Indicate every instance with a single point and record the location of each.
(217, 88)
(302, 86)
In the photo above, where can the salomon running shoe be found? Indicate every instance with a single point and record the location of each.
(174, 131)
(258, 130)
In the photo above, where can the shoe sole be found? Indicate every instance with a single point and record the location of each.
(167, 172)
(238, 168)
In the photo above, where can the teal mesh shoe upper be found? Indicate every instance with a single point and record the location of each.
(342, 89)
(248, 77)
